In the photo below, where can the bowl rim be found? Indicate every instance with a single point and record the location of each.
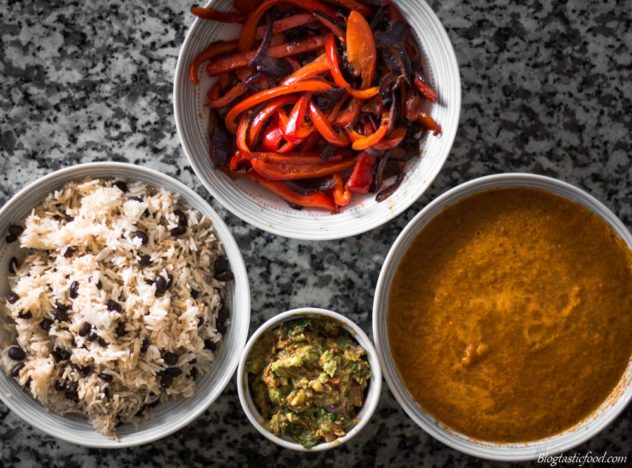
(373, 395)
(483, 449)
(353, 229)
(242, 288)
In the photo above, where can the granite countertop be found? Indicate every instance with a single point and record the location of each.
(545, 90)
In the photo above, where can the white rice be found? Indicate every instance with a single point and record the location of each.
(83, 233)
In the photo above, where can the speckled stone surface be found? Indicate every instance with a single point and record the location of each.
(546, 89)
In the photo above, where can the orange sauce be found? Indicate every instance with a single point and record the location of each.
(510, 316)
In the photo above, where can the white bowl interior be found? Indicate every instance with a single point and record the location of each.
(265, 210)
(170, 416)
(495, 451)
(373, 394)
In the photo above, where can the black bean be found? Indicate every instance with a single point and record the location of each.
(194, 293)
(166, 380)
(173, 371)
(144, 239)
(178, 231)
(16, 353)
(85, 329)
(13, 265)
(71, 392)
(102, 342)
(68, 218)
(182, 218)
(106, 377)
(106, 392)
(161, 285)
(85, 371)
(144, 346)
(122, 186)
(146, 212)
(193, 361)
(12, 298)
(193, 373)
(138, 199)
(200, 321)
(113, 305)
(221, 328)
(69, 252)
(46, 323)
(224, 276)
(60, 386)
(208, 344)
(25, 315)
(120, 329)
(221, 264)
(93, 337)
(10, 238)
(99, 285)
(61, 312)
(15, 230)
(74, 290)
(60, 354)
(145, 260)
(171, 359)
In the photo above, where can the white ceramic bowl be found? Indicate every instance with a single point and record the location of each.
(266, 211)
(372, 398)
(493, 451)
(171, 416)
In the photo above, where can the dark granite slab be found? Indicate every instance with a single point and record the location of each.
(546, 89)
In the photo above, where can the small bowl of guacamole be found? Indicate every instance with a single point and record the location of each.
(309, 379)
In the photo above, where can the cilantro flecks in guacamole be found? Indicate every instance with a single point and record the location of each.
(308, 379)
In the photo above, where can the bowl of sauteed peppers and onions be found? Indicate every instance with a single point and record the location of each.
(309, 379)
(316, 101)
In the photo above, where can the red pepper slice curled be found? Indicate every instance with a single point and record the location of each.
(316, 200)
(362, 176)
(217, 15)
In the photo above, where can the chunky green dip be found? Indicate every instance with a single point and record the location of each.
(307, 378)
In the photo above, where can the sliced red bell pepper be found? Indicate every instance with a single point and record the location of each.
(361, 51)
(336, 73)
(323, 126)
(291, 170)
(222, 101)
(236, 160)
(241, 60)
(308, 86)
(315, 200)
(352, 5)
(213, 93)
(217, 15)
(212, 51)
(392, 141)
(249, 29)
(317, 67)
(272, 137)
(341, 193)
(368, 141)
(242, 131)
(265, 114)
(362, 176)
(424, 88)
(430, 123)
(347, 117)
(295, 129)
(295, 159)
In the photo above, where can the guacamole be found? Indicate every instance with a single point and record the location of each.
(308, 379)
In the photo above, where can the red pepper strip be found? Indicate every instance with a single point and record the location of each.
(393, 140)
(342, 194)
(241, 60)
(311, 142)
(213, 93)
(369, 141)
(324, 127)
(249, 29)
(362, 176)
(242, 131)
(296, 159)
(331, 26)
(290, 170)
(314, 200)
(238, 90)
(212, 51)
(336, 73)
(308, 86)
(295, 128)
(245, 6)
(272, 138)
(314, 68)
(361, 51)
(347, 117)
(217, 15)
(284, 24)
(263, 116)
(430, 123)
(224, 80)
(352, 5)
(424, 89)
(236, 160)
